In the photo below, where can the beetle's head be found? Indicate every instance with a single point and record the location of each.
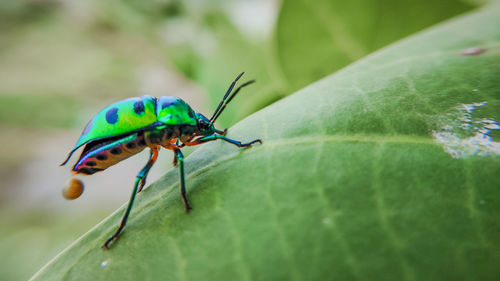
(204, 126)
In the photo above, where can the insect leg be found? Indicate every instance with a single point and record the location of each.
(152, 159)
(237, 143)
(214, 137)
(140, 177)
(175, 161)
(180, 160)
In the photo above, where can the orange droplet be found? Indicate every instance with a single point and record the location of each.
(74, 188)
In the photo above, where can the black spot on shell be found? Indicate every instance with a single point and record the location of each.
(88, 127)
(101, 157)
(130, 145)
(116, 150)
(112, 115)
(91, 163)
(191, 113)
(139, 107)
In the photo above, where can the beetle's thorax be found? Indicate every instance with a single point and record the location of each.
(169, 134)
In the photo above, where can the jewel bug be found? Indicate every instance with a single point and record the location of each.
(127, 127)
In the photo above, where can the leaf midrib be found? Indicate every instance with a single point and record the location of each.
(379, 139)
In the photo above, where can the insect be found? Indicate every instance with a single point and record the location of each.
(129, 126)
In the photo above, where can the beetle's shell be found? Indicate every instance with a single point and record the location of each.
(174, 111)
(136, 114)
(120, 118)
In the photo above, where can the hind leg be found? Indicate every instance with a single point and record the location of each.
(140, 180)
(152, 159)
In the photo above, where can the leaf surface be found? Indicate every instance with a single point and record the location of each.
(385, 170)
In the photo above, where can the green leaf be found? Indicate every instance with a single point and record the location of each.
(369, 174)
(332, 34)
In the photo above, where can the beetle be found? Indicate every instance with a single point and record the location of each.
(127, 127)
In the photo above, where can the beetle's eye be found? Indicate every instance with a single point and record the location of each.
(202, 124)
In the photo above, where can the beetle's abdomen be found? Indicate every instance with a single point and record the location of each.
(107, 153)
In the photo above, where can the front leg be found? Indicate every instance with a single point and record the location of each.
(224, 138)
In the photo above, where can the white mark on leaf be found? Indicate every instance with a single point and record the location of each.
(466, 134)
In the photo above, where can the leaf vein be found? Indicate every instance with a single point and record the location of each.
(381, 209)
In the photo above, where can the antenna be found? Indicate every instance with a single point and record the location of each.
(218, 112)
(225, 96)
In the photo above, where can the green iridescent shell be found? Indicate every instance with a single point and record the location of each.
(120, 118)
(136, 114)
(174, 111)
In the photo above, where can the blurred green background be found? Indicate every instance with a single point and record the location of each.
(62, 61)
